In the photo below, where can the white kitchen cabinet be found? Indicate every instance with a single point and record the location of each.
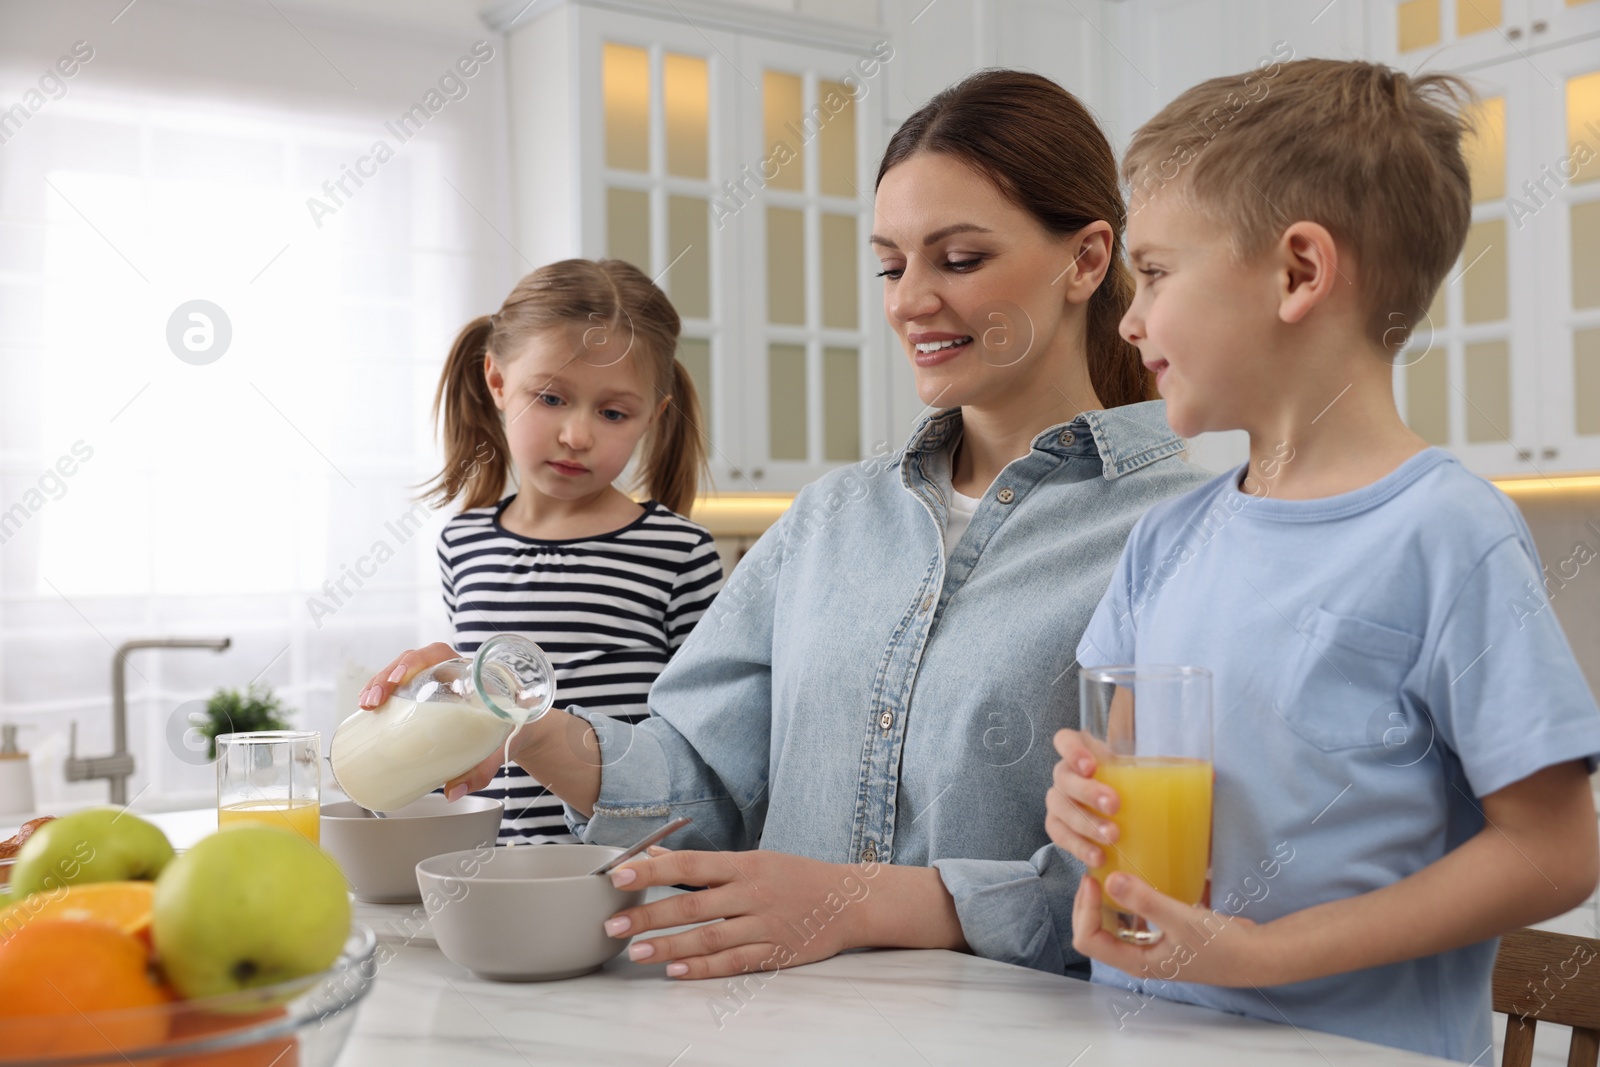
(1505, 370)
(729, 153)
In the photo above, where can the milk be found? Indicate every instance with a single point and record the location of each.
(386, 758)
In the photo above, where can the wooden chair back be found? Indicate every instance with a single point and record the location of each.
(1545, 977)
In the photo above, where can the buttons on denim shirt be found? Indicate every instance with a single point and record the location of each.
(886, 720)
(1006, 495)
(927, 602)
(1065, 437)
(869, 854)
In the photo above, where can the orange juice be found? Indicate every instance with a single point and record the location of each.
(303, 816)
(1164, 831)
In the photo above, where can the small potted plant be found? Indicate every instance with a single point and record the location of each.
(231, 712)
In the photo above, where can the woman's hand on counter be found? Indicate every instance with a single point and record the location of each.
(1197, 943)
(778, 910)
(400, 668)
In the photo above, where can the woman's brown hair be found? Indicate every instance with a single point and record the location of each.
(1042, 149)
(605, 301)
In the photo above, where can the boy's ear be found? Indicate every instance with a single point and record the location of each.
(1307, 269)
(1091, 258)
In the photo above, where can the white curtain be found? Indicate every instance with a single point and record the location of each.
(227, 154)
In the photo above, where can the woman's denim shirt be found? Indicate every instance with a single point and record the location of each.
(852, 697)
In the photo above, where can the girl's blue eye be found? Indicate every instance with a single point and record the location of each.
(612, 415)
(548, 399)
(893, 274)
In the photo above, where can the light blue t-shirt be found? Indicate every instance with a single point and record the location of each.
(1382, 659)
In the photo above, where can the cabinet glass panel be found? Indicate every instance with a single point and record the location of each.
(836, 141)
(841, 404)
(628, 226)
(1586, 255)
(1475, 16)
(625, 75)
(686, 94)
(1483, 286)
(1583, 119)
(1417, 23)
(786, 401)
(695, 355)
(840, 290)
(1428, 391)
(1586, 380)
(688, 279)
(781, 107)
(786, 266)
(1488, 373)
(1485, 149)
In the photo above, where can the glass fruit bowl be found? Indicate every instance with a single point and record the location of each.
(302, 1023)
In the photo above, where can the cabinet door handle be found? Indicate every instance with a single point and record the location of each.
(1515, 33)
(757, 474)
(1547, 453)
(1540, 25)
(1525, 454)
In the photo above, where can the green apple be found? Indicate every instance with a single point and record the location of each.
(248, 906)
(94, 845)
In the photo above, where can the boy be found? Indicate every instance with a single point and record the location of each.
(1402, 735)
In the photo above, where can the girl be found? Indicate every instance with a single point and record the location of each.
(566, 382)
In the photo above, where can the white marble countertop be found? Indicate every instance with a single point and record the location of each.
(876, 1007)
(893, 1007)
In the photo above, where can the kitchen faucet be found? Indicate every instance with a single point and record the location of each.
(119, 764)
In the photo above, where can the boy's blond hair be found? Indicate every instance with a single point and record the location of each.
(1369, 152)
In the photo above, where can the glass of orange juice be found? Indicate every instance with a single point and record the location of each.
(1150, 730)
(273, 777)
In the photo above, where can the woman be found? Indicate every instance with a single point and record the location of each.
(860, 726)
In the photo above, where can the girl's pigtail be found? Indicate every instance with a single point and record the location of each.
(476, 459)
(675, 454)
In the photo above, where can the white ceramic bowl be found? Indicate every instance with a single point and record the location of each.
(380, 856)
(526, 913)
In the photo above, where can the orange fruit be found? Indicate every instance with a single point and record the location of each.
(125, 905)
(191, 1025)
(78, 987)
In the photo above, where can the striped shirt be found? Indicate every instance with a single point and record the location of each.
(608, 610)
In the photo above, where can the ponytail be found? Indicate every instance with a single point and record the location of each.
(674, 454)
(476, 459)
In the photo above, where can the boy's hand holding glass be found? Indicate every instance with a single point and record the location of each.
(1147, 742)
(1197, 944)
(1131, 798)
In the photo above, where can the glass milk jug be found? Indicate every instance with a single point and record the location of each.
(442, 723)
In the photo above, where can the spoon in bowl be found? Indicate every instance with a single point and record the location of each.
(631, 851)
